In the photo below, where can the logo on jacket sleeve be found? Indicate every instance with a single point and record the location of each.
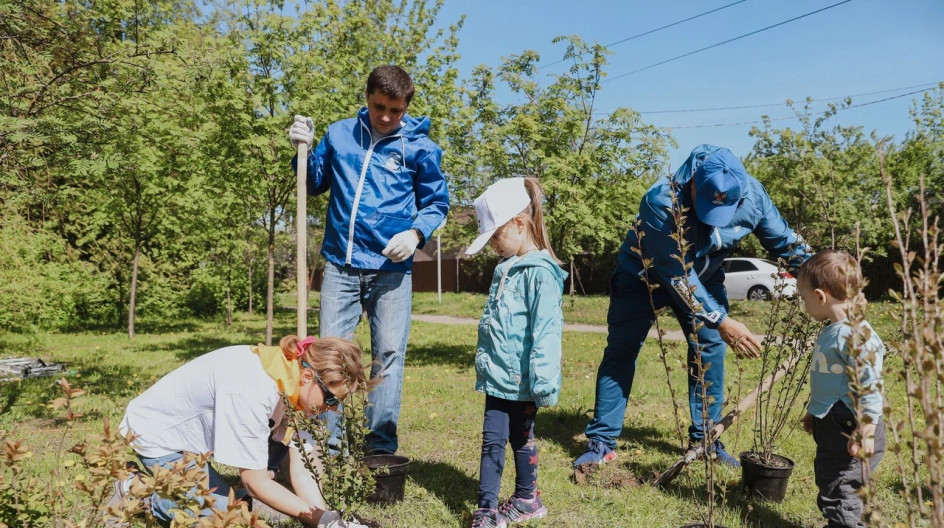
(393, 161)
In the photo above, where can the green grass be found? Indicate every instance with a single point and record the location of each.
(591, 310)
(442, 419)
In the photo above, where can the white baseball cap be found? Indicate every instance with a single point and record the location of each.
(502, 201)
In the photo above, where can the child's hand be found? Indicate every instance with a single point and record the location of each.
(807, 422)
(868, 441)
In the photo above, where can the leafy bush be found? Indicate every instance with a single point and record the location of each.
(102, 459)
(42, 286)
(344, 479)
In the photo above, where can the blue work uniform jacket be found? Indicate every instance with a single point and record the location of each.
(378, 189)
(519, 347)
(708, 245)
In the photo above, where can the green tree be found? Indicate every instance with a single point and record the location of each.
(76, 85)
(824, 179)
(594, 170)
(144, 186)
(921, 154)
(272, 64)
(62, 66)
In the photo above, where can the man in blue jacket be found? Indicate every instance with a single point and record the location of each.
(719, 204)
(388, 195)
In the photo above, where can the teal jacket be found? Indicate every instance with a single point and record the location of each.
(519, 349)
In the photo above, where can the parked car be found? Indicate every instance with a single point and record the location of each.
(756, 279)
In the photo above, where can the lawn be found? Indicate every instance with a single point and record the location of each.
(442, 418)
(591, 309)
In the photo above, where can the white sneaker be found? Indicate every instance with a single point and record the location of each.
(117, 504)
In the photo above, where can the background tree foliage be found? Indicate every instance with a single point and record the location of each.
(144, 168)
(593, 170)
(825, 180)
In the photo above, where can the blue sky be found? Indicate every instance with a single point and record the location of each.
(859, 47)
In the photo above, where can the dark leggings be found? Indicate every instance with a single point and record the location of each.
(507, 420)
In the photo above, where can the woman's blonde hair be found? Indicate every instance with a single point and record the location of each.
(533, 216)
(336, 361)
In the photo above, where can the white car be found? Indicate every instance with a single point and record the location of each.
(756, 279)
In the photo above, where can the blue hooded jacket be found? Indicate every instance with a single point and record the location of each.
(708, 245)
(377, 189)
(519, 348)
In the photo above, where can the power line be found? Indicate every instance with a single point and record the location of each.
(651, 31)
(713, 125)
(727, 41)
(771, 105)
(885, 99)
(867, 103)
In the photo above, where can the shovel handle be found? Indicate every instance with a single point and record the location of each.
(301, 234)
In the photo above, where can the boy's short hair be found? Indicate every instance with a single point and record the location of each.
(392, 81)
(832, 271)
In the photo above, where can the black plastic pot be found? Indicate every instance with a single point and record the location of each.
(766, 482)
(390, 483)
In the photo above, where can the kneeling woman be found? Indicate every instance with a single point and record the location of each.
(228, 402)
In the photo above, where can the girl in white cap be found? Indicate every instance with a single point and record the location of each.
(518, 358)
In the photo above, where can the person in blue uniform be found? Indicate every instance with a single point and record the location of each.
(720, 204)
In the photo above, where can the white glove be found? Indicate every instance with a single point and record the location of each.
(302, 130)
(402, 245)
(332, 519)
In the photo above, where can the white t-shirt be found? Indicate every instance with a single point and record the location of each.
(222, 402)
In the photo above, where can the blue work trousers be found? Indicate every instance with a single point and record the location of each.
(387, 297)
(629, 319)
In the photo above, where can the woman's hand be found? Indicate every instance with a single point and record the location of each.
(332, 519)
(273, 494)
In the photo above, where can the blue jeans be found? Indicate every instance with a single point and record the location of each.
(387, 297)
(629, 319)
(507, 421)
(161, 506)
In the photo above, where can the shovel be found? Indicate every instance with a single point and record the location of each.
(715, 432)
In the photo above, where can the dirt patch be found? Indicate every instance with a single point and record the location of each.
(772, 460)
(370, 523)
(609, 477)
(583, 472)
(622, 480)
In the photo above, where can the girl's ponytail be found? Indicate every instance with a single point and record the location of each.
(289, 346)
(533, 186)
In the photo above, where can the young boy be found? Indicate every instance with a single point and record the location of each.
(829, 284)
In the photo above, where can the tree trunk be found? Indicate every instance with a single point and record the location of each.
(134, 289)
(270, 281)
(250, 285)
(120, 303)
(229, 298)
(572, 282)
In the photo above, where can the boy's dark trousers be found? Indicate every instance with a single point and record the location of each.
(839, 475)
